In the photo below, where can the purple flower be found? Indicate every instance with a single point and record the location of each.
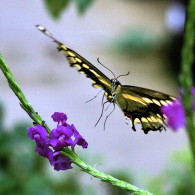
(175, 112)
(43, 149)
(175, 115)
(60, 117)
(61, 137)
(79, 140)
(37, 133)
(61, 162)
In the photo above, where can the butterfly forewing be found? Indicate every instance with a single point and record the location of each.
(84, 66)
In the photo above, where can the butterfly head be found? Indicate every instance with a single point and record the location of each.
(115, 88)
(116, 85)
(115, 82)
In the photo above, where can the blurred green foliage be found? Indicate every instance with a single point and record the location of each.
(178, 178)
(57, 7)
(83, 5)
(136, 41)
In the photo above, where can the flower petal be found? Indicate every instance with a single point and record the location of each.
(175, 115)
(61, 162)
(59, 117)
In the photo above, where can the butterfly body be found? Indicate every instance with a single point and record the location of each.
(140, 105)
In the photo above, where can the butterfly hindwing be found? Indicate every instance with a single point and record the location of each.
(143, 106)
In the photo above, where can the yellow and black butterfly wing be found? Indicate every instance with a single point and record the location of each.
(143, 106)
(82, 65)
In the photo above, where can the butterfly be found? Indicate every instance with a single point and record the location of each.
(140, 105)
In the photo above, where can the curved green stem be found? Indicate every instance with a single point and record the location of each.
(104, 177)
(18, 92)
(186, 77)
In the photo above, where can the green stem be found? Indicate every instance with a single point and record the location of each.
(186, 77)
(104, 177)
(18, 92)
(66, 151)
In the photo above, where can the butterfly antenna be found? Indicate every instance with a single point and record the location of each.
(101, 113)
(47, 33)
(106, 67)
(108, 116)
(94, 96)
(122, 75)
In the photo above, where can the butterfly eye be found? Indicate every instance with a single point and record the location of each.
(115, 81)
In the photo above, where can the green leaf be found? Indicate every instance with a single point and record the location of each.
(56, 7)
(83, 5)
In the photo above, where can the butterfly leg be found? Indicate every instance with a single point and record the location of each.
(101, 113)
(94, 96)
(108, 116)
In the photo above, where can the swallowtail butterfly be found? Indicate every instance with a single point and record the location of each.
(139, 104)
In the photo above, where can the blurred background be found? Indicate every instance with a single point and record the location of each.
(143, 37)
